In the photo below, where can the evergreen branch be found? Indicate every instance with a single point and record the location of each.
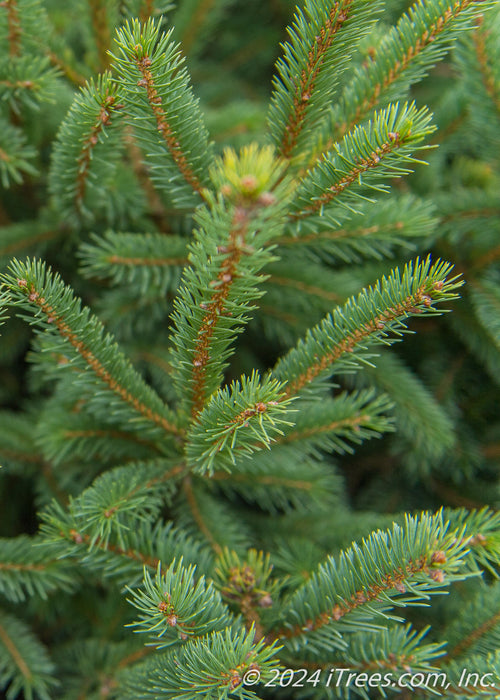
(26, 28)
(16, 238)
(16, 155)
(26, 569)
(64, 435)
(4, 300)
(214, 309)
(470, 210)
(233, 420)
(142, 173)
(397, 648)
(477, 339)
(314, 59)
(334, 425)
(477, 58)
(103, 119)
(25, 666)
(145, 544)
(195, 21)
(129, 315)
(226, 256)
(209, 519)
(17, 446)
(466, 684)
(371, 231)
(420, 420)
(63, 67)
(337, 16)
(85, 150)
(156, 361)
(163, 126)
(480, 39)
(393, 649)
(16, 84)
(176, 607)
(303, 287)
(18, 456)
(142, 261)
(122, 497)
(93, 665)
(164, 105)
(247, 480)
(212, 667)
(71, 327)
(194, 452)
(485, 297)
(246, 585)
(309, 289)
(481, 536)
(365, 157)
(282, 479)
(339, 343)
(26, 82)
(400, 567)
(421, 38)
(197, 515)
(112, 559)
(477, 628)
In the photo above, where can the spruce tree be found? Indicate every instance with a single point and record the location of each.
(222, 474)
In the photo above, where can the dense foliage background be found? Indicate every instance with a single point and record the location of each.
(441, 433)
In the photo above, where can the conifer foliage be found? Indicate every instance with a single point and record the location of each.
(191, 505)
